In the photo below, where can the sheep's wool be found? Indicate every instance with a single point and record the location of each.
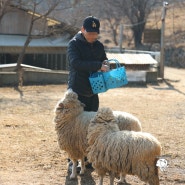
(125, 152)
(71, 125)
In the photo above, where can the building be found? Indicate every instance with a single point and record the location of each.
(141, 66)
(47, 47)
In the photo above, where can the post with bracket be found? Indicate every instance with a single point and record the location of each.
(162, 54)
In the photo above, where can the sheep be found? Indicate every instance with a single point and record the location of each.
(121, 152)
(71, 125)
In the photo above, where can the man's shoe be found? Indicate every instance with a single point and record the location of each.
(88, 165)
(70, 165)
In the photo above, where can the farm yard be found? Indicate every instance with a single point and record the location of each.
(29, 152)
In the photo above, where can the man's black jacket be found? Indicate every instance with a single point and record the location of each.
(84, 58)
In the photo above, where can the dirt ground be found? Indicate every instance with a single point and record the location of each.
(29, 153)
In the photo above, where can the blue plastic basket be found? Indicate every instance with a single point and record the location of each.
(102, 81)
(116, 77)
(97, 82)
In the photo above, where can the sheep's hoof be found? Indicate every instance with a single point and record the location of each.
(72, 177)
(81, 172)
(122, 182)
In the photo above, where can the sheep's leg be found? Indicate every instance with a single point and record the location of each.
(153, 176)
(122, 178)
(82, 171)
(74, 172)
(112, 176)
(100, 180)
(154, 180)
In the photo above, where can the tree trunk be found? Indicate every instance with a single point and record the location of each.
(114, 37)
(28, 39)
(138, 32)
(19, 68)
(137, 37)
(20, 59)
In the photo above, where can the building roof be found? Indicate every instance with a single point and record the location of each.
(4, 67)
(18, 41)
(132, 58)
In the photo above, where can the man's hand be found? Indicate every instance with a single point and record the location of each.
(105, 68)
(105, 62)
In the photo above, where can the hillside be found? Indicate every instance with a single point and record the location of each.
(174, 34)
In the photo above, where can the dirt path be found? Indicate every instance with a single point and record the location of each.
(29, 153)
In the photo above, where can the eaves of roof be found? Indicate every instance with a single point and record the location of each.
(18, 41)
(132, 58)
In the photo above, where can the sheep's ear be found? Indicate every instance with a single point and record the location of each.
(70, 90)
(60, 105)
(71, 95)
(114, 121)
(93, 122)
(82, 104)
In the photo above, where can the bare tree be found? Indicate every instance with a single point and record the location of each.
(131, 12)
(4, 7)
(33, 5)
(138, 14)
(37, 13)
(75, 14)
(114, 19)
(39, 10)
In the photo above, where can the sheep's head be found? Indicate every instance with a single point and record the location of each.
(70, 95)
(104, 115)
(101, 124)
(68, 107)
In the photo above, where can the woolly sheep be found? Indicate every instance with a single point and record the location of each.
(121, 152)
(71, 125)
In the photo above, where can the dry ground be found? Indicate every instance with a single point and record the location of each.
(29, 154)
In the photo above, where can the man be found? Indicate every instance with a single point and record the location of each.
(86, 55)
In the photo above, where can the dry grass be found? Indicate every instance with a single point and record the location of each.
(29, 153)
(174, 27)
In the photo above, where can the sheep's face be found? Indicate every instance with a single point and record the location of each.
(68, 108)
(104, 120)
(104, 115)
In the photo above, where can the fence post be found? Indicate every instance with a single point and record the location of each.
(121, 38)
(162, 55)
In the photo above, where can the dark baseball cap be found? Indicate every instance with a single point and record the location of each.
(91, 24)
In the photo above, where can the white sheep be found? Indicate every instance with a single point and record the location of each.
(121, 152)
(71, 125)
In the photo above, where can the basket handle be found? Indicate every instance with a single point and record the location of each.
(116, 61)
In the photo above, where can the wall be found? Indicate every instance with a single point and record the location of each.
(17, 21)
(61, 77)
(34, 77)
